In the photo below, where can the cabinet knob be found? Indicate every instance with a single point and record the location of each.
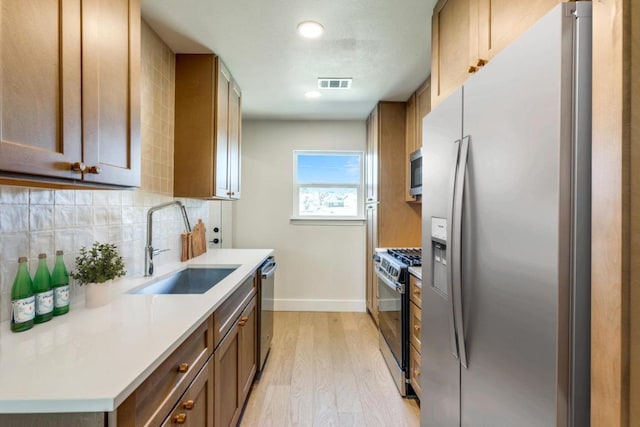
(184, 367)
(78, 167)
(188, 404)
(416, 291)
(243, 320)
(472, 69)
(416, 327)
(94, 170)
(481, 62)
(417, 372)
(180, 418)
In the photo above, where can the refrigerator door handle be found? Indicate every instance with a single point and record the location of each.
(452, 189)
(456, 260)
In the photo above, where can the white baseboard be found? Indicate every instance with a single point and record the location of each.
(353, 305)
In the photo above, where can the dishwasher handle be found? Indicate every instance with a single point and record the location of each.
(266, 271)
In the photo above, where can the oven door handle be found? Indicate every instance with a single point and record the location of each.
(398, 287)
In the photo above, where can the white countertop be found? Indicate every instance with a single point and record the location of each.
(90, 360)
(416, 271)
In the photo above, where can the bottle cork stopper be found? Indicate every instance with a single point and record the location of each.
(22, 259)
(59, 253)
(42, 256)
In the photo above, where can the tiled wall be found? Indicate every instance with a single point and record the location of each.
(157, 85)
(33, 221)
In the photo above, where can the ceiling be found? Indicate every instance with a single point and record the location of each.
(383, 45)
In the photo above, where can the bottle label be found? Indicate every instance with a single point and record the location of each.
(61, 296)
(23, 309)
(44, 302)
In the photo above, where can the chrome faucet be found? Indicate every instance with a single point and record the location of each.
(149, 251)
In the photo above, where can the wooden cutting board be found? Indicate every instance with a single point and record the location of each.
(199, 240)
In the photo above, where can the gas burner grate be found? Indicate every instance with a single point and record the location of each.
(409, 256)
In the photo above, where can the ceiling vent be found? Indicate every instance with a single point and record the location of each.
(334, 83)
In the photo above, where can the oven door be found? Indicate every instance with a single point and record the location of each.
(390, 316)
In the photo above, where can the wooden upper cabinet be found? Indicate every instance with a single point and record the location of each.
(40, 92)
(452, 32)
(466, 34)
(417, 106)
(235, 130)
(222, 132)
(111, 91)
(69, 84)
(502, 21)
(207, 129)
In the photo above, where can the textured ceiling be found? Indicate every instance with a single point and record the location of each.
(383, 45)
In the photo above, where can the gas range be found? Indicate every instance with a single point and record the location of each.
(394, 263)
(392, 271)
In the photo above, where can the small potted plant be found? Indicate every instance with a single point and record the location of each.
(96, 267)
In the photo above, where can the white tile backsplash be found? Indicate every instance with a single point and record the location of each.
(34, 221)
(41, 218)
(65, 197)
(41, 197)
(65, 216)
(14, 218)
(13, 196)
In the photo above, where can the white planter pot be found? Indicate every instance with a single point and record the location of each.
(97, 294)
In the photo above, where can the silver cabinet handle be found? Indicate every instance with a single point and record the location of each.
(456, 261)
(450, 219)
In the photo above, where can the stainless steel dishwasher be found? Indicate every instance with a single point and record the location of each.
(266, 276)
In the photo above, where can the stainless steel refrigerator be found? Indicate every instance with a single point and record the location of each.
(506, 236)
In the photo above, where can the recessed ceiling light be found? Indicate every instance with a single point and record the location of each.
(313, 94)
(310, 29)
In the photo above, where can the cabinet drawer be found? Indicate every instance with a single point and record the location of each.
(225, 316)
(150, 403)
(415, 289)
(195, 407)
(415, 325)
(415, 370)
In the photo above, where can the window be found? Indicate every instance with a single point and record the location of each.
(327, 185)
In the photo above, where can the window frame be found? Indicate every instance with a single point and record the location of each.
(297, 217)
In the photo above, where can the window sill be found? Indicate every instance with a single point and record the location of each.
(327, 221)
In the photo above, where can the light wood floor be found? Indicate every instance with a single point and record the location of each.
(325, 369)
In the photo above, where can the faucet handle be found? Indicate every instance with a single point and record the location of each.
(157, 251)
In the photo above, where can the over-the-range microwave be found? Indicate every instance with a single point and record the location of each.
(415, 177)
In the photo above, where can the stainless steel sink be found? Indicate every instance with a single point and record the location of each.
(196, 280)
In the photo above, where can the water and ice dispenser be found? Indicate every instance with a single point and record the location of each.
(439, 254)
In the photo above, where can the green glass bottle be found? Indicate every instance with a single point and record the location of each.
(42, 291)
(23, 303)
(60, 286)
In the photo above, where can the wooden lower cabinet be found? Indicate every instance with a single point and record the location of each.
(415, 334)
(415, 371)
(195, 408)
(226, 401)
(235, 367)
(248, 349)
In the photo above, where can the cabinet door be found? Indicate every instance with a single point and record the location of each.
(111, 91)
(248, 351)
(222, 132)
(235, 134)
(410, 142)
(371, 166)
(415, 371)
(372, 283)
(195, 408)
(423, 107)
(501, 21)
(40, 98)
(226, 402)
(453, 37)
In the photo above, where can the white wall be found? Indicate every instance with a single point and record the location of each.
(320, 267)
